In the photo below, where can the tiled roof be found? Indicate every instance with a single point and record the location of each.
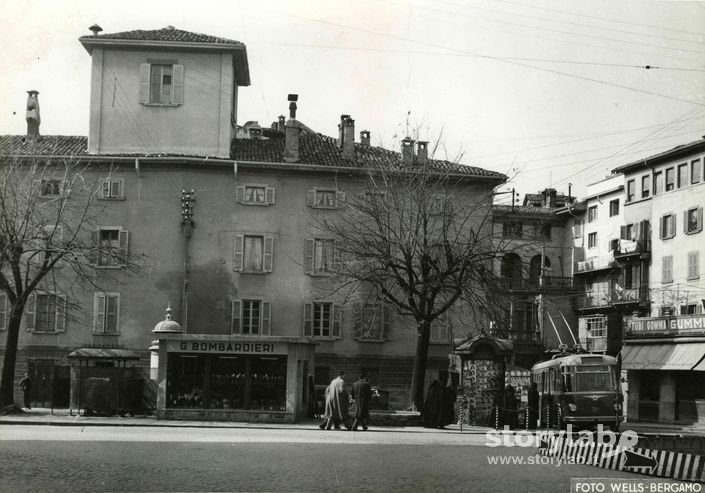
(315, 149)
(501, 210)
(51, 145)
(675, 153)
(169, 34)
(318, 149)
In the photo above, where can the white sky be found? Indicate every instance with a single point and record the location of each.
(549, 92)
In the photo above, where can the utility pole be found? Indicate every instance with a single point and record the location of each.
(187, 200)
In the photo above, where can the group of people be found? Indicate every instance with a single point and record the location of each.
(336, 404)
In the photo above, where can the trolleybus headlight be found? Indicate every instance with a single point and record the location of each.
(572, 407)
(617, 406)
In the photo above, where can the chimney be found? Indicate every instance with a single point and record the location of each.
(407, 151)
(422, 152)
(549, 198)
(281, 123)
(349, 139)
(341, 127)
(33, 119)
(365, 137)
(255, 131)
(95, 29)
(291, 133)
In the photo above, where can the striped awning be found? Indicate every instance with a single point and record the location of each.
(676, 356)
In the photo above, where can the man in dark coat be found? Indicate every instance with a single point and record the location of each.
(533, 405)
(510, 408)
(362, 393)
(437, 409)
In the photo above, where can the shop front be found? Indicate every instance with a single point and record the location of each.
(665, 362)
(233, 378)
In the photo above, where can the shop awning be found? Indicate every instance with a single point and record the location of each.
(103, 353)
(677, 356)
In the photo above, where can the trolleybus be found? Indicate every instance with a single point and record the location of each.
(580, 389)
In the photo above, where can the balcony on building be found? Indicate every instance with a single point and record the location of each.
(539, 284)
(616, 296)
(632, 250)
(594, 264)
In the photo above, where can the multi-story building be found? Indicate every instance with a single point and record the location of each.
(227, 230)
(664, 350)
(535, 273)
(599, 244)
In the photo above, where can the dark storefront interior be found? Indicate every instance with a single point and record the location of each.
(202, 381)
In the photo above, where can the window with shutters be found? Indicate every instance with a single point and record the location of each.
(371, 322)
(254, 194)
(645, 186)
(251, 317)
(112, 189)
(162, 83)
(321, 256)
(325, 198)
(441, 204)
(440, 330)
(693, 265)
(667, 226)
(667, 269)
(45, 312)
(3, 311)
(512, 229)
(322, 320)
(111, 247)
(106, 313)
(253, 254)
(51, 187)
(695, 171)
(693, 220)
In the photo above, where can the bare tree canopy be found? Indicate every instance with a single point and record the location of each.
(49, 243)
(418, 240)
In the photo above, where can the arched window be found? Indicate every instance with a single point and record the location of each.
(535, 266)
(511, 266)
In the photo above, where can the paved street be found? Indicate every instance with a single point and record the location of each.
(107, 458)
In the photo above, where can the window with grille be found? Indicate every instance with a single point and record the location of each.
(597, 326)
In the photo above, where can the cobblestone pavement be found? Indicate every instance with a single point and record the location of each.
(57, 459)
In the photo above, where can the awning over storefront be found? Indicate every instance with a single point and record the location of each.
(103, 353)
(676, 356)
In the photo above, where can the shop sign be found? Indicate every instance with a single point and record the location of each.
(669, 325)
(226, 347)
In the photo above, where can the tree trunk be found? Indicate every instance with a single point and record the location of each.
(419, 375)
(7, 383)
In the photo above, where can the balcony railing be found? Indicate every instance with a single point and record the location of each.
(628, 248)
(608, 297)
(534, 283)
(518, 335)
(595, 263)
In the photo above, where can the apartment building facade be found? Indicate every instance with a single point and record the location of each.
(664, 350)
(229, 241)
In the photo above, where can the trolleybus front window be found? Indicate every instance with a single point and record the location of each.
(594, 381)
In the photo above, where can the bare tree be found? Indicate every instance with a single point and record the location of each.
(49, 243)
(418, 239)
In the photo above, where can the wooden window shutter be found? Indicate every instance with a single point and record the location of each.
(339, 199)
(357, 321)
(237, 252)
(236, 316)
(3, 311)
(99, 312)
(685, 222)
(337, 320)
(673, 225)
(270, 195)
(144, 82)
(266, 318)
(308, 255)
(124, 242)
(178, 81)
(700, 219)
(636, 231)
(60, 313)
(92, 254)
(308, 319)
(240, 193)
(29, 309)
(310, 197)
(268, 253)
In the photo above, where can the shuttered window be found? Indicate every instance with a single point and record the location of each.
(255, 194)
(111, 247)
(106, 313)
(251, 317)
(253, 253)
(45, 312)
(161, 84)
(322, 320)
(693, 265)
(371, 322)
(667, 269)
(320, 198)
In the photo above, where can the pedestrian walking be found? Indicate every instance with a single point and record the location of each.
(362, 393)
(511, 418)
(336, 411)
(533, 406)
(26, 386)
